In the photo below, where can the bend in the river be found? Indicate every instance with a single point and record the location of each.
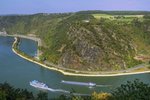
(72, 72)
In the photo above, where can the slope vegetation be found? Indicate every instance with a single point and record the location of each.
(79, 41)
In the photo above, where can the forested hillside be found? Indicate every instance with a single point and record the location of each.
(80, 41)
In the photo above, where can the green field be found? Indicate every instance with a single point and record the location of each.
(99, 16)
(138, 16)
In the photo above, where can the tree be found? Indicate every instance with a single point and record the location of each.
(101, 96)
(132, 91)
(7, 92)
(42, 96)
(146, 16)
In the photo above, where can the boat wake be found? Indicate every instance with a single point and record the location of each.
(89, 84)
(103, 85)
(58, 90)
(43, 86)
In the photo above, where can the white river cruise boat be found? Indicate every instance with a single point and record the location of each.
(38, 84)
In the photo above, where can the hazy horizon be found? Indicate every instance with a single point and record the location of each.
(49, 6)
(68, 12)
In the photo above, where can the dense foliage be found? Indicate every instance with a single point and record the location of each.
(132, 91)
(8, 92)
(135, 90)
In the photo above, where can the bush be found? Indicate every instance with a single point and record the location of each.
(132, 91)
(101, 96)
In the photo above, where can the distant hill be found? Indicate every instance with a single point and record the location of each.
(115, 12)
(80, 41)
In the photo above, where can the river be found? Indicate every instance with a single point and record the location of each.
(19, 72)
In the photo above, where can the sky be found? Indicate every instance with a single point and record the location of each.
(60, 6)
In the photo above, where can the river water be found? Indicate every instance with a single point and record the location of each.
(19, 72)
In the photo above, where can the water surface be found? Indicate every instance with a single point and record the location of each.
(19, 72)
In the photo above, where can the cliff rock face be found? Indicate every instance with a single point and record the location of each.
(96, 50)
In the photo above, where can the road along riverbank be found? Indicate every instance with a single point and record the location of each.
(14, 49)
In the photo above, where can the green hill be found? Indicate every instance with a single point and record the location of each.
(80, 41)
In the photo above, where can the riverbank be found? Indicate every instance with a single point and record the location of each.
(31, 37)
(34, 38)
(72, 73)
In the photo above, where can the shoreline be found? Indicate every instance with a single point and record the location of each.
(70, 73)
